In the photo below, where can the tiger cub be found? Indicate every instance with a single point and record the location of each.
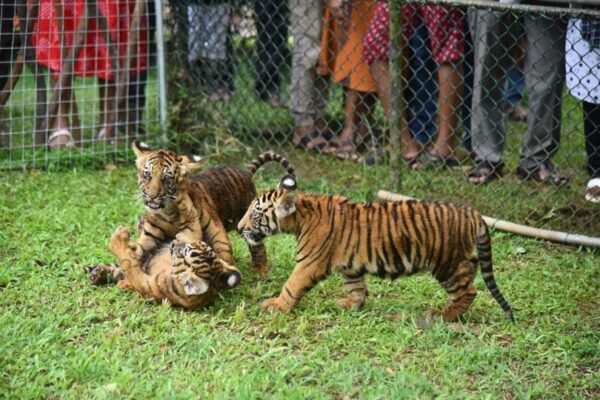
(219, 198)
(387, 239)
(185, 275)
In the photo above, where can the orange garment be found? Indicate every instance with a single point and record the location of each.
(341, 52)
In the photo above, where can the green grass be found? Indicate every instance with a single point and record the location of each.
(62, 338)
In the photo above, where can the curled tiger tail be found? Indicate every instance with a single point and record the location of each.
(264, 158)
(484, 250)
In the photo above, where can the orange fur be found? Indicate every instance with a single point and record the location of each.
(196, 205)
(386, 239)
(185, 275)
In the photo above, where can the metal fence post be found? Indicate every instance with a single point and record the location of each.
(162, 78)
(398, 117)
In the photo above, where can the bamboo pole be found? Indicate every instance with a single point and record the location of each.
(506, 226)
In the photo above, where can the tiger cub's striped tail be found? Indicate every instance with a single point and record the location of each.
(484, 250)
(264, 158)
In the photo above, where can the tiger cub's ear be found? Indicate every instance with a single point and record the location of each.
(192, 284)
(140, 148)
(191, 164)
(286, 204)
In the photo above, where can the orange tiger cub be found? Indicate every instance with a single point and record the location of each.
(388, 239)
(218, 196)
(186, 275)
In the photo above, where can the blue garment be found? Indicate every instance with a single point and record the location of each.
(423, 87)
(515, 86)
(421, 96)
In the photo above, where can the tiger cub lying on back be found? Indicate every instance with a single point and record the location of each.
(217, 197)
(387, 239)
(185, 275)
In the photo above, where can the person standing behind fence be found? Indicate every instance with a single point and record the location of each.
(308, 89)
(495, 39)
(209, 46)
(447, 42)
(271, 49)
(94, 56)
(583, 81)
(346, 24)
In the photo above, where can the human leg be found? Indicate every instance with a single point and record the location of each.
(544, 74)
(271, 49)
(60, 134)
(591, 122)
(308, 91)
(493, 42)
(446, 37)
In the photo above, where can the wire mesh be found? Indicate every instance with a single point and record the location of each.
(78, 80)
(463, 102)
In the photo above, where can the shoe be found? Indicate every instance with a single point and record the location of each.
(592, 190)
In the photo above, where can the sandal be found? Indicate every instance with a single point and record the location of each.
(592, 190)
(276, 101)
(334, 146)
(60, 145)
(485, 171)
(517, 113)
(309, 136)
(544, 173)
(429, 160)
(375, 155)
(412, 162)
(349, 155)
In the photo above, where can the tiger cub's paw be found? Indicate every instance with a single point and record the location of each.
(260, 270)
(120, 241)
(103, 274)
(348, 302)
(124, 285)
(430, 318)
(275, 304)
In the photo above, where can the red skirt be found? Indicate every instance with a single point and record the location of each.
(94, 58)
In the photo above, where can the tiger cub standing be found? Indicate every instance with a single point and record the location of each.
(219, 197)
(387, 239)
(185, 275)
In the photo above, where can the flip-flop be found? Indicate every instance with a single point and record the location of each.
(553, 178)
(412, 162)
(58, 133)
(431, 160)
(484, 172)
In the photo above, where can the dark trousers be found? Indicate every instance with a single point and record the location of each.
(271, 46)
(591, 128)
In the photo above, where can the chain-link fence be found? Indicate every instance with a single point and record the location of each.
(78, 79)
(463, 100)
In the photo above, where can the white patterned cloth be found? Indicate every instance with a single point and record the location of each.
(582, 65)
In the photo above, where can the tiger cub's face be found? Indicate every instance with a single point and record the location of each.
(264, 214)
(197, 267)
(160, 174)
